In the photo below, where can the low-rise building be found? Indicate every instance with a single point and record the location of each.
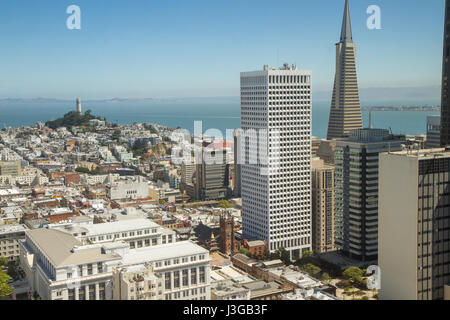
(58, 266)
(10, 235)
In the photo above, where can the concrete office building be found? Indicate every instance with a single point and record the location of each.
(356, 195)
(445, 95)
(326, 151)
(188, 179)
(276, 146)
(414, 217)
(129, 189)
(433, 132)
(137, 233)
(345, 114)
(322, 206)
(212, 174)
(10, 168)
(237, 164)
(10, 235)
(137, 282)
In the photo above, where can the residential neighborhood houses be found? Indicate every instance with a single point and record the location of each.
(100, 212)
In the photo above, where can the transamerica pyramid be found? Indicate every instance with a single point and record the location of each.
(345, 114)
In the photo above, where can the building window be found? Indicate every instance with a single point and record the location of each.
(185, 277)
(194, 276)
(168, 281)
(92, 292)
(101, 293)
(71, 294)
(202, 275)
(81, 294)
(176, 279)
(89, 268)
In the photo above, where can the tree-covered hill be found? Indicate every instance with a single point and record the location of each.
(72, 119)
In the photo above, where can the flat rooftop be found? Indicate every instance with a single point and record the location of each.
(62, 249)
(12, 228)
(424, 153)
(120, 226)
(164, 252)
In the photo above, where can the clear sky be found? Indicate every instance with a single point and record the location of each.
(197, 48)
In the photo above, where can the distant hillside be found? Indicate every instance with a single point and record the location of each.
(72, 119)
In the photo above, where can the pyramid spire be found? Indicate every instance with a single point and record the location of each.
(346, 33)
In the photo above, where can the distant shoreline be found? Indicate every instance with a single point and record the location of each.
(419, 109)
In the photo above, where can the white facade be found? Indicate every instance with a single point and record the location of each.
(137, 233)
(57, 266)
(131, 189)
(276, 191)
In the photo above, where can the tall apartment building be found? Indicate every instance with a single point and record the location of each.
(356, 195)
(212, 174)
(414, 234)
(433, 132)
(276, 146)
(326, 151)
(10, 168)
(188, 179)
(445, 98)
(345, 114)
(322, 206)
(187, 173)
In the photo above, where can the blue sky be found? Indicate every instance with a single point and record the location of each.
(196, 48)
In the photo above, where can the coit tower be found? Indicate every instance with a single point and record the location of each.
(79, 106)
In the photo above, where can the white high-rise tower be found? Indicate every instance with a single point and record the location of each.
(276, 167)
(79, 106)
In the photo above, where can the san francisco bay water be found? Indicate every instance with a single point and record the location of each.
(219, 114)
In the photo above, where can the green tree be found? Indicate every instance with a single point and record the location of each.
(325, 277)
(72, 119)
(245, 251)
(225, 204)
(311, 269)
(3, 261)
(354, 274)
(4, 278)
(12, 271)
(306, 254)
(284, 256)
(5, 289)
(82, 170)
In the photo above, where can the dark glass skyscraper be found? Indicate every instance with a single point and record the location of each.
(445, 102)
